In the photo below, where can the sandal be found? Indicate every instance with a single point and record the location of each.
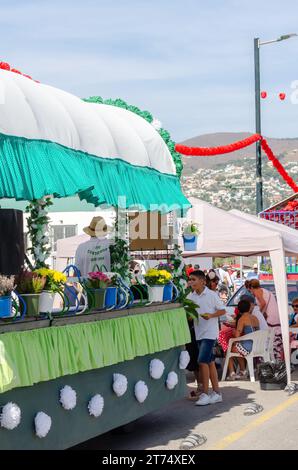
(253, 409)
(193, 440)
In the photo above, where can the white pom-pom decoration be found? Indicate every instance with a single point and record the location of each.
(119, 384)
(184, 359)
(68, 397)
(156, 368)
(95, 405)
(11, 416)
(43, 423)
(141, 391)
(172, 380)
(156, 124)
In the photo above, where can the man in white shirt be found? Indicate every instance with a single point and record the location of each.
(209, 309)
(94, 254)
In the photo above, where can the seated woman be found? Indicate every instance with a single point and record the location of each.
(245, 323)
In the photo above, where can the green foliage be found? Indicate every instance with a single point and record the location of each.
(190, 308)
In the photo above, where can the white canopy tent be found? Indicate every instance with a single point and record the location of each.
(232, 233)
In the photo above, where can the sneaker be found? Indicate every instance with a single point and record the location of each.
(215, 397)
(203, 400)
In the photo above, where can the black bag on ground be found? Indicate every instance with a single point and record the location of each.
(272, 375)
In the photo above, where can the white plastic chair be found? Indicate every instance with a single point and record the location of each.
(262, 346)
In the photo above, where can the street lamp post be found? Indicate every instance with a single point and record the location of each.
(259, 181)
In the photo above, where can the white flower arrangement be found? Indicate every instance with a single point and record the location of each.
(68, 397)
(172, 380)
(43, 423)
(37, 228)
(156, 368)
(119, 384)
(10, 417)
(141, 391)
(184, 359)
(96, 405)
(156, 124)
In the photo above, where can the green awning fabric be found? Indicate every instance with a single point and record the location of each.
(30, 357)
(31, 169)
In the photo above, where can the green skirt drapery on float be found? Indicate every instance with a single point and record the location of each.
(34, 356)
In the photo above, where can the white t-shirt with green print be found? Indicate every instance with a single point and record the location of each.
(93, 255)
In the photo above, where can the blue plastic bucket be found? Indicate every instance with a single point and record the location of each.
(5, 306)
(167, 292)
(111, 297)
(190, 242)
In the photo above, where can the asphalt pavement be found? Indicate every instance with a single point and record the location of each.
(224, 424)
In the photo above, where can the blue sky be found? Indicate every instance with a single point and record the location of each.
(188, 62)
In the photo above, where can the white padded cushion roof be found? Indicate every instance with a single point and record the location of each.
(37, 111)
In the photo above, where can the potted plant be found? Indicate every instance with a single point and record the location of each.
(170, 291)
(7, 285)
(156, 280)
(30, 285)
(190, 236)
(97, 284)
(54, 284)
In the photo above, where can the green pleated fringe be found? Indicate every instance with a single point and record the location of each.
(30, 169)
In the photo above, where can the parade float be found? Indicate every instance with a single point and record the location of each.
(69, 375)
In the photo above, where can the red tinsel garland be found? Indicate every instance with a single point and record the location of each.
(206, 151)
(286, 177)
(211, 151)
(6, 66)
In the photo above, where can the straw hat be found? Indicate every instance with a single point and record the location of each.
(97, 227)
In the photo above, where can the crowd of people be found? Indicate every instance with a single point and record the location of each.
(257, 310)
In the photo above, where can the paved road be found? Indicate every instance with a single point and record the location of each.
(224, 424)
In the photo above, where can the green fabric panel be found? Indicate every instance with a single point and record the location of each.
(29, 357)
(72, 427)
(30, 169)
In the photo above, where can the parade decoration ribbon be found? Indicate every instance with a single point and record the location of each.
(211, 151)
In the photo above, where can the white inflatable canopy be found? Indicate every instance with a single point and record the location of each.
(37, 111)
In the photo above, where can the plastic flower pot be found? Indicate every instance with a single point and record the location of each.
(168, 292)
(155, 293)
(5, 306)
(190, 242)
(96, 298)
(32, 304)
(46, 302)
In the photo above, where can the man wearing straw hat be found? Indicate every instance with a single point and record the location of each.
(94, 254)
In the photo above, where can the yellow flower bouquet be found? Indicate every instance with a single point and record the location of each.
(54, 279)
(156, 277)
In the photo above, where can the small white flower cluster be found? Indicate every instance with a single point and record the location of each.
(184, 359)
(172, 380)
(96, 405)
(156, 124)
(68, 397)
(10, 416)
(141, 391)
(119, 384)
(43, 423)
(156, 368)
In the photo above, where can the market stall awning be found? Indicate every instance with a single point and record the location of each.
(52, 142)
(236, 234)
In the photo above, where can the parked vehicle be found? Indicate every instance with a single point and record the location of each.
(292, 293)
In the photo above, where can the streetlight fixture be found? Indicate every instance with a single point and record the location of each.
(259, 181)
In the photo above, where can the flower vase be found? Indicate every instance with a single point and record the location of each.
(46, 302)
(96, 298)
(32, 304)
(111, 297)
(190, 242)
(5, 306)
(155, 293)
(168, 292)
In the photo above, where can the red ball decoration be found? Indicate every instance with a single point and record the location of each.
(282, 96)
(4, 66)
(263, 94)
